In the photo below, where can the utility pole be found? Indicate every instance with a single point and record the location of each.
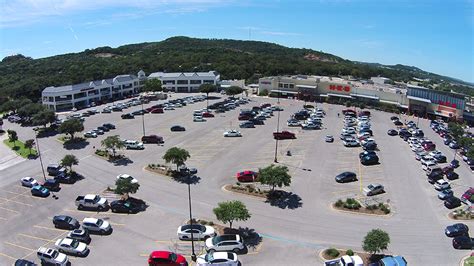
(193, 256)
(39, 152)
(278, 129)
(143, 118)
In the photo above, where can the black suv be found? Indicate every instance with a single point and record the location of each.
(109, 126)
(51, 184)
(127, 116)
(65, 222)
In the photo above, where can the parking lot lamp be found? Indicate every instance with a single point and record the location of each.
(143, 119)
(278, 129)
(39, 152)
(193, 255)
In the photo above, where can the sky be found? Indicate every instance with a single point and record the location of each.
(434, 35)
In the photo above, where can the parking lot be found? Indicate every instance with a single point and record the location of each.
(292, 232)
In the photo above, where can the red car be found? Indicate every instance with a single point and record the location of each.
(156, 111)
(244, 117)
(265, 105)
(207, 114)
(467, 196)
(166, 258)
(430, 146)
(284, 135)
(247, 176)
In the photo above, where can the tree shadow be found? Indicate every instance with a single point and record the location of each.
(75, 144)
(251, 238)
(124, 161)
(284, 199)
(186, 179)
(47, 133)
(32, 156)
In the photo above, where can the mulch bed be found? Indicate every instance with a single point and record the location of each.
(367, 258)
(160, 170)
(244, 190)
(362, 210)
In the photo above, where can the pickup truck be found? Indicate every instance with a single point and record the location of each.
(284, 135)
(345, 261)
(91, 201)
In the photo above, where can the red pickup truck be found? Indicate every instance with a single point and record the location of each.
(284, 135)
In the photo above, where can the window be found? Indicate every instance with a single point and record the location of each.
(166, 82)
(280, 85)
(182, 82)
(285, 86)
(208, 81)
(195, 82)
(292, 86)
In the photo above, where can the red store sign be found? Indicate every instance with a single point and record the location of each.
(447, 104)
(340, 88)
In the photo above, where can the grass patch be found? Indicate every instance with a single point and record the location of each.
(461, 214)
(469, 261)
(19, 148)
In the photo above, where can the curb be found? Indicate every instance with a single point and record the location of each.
(361, 213)
(235, 192)
(461, 262)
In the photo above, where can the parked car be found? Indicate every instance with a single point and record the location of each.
(207, 114)
(444, 194)
(39, 191)
(65, 178)
(392, 261)
(28, 182)
(55, 169)
(467, 197)
(199, 232)
(81, 235)
(127, 116)
(109, 125)
(232, 133)
(22, 262)
(369, 160)
(127, 176)
(373, 189)
(247, 176)
(177, 128)
(346, 177)
(457, 229)
(463, 242)
(218, 258)
(71, 246)
(452, 175)
(329, 138)
(440, 158)
(133, 145)
(350, 143)
(226, 242)
(91, 201)
(168, 258)
(51, 184)
(49, 256)
(127, 206)
(199, 119)
(65, 222)
(441, 184)
(95, 225)
(152, 139)
(156, 111)
(452, 202)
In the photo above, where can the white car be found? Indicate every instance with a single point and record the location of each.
(218, 258)
(126, 176)
(441, 184)
(232, 133)
(90, 134)
(29, 182)
(199, 231)
(435, 152)
(350, 143)
(416, 147)
(367, 141)
(133, 145)
(52, 256)
(71, 246)
(96, 225)
(427, 158)
(178, 105)
(198, 119)
(428, 165)
(348, 130)
(226, 242)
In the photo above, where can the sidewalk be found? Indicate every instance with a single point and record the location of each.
(8, 157)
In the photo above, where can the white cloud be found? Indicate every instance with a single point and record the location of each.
(370, 44)
(280, 33)
(20, 12)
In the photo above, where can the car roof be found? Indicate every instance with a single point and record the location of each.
(67, 241)
(90, 220)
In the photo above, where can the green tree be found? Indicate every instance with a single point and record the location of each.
(44, 117)
(375, 241)
(234, 90)
(124, 186)
(177, 156)
(29, 144)
(71, 127)
(69, 160)
(112, 143)
(274, 176)
(152, 85)
(456, 130)
(207, 88)
(12, 136)
(230, 211)
(31, 109)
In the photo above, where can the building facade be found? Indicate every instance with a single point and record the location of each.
(85, 94)
(185, 81)
(428, 102)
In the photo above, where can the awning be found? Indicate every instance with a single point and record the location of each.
(225, 86)
(323, 95)
(403, 106)
(443, 114)
(283, 92)
(389, 102)
(365, 96)
(306, 86)
(340, 95)
(419, 99)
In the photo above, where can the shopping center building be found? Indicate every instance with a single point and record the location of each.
(407, 98)
(185, 81)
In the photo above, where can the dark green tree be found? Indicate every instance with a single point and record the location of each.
(12, 136)
(124, 186)
(44, 117)
(456, 130)
(69, 160)
(234, 90)
(112, 143)
(177, 156)
(71, 127)
(274, 176)
(152, 85)
(29, 144)
(207, 88)
(375, 241)
(230, 211)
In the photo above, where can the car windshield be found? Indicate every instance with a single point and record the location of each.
(99, 222)
(54, 254)
(172, 257)
(371, 187)
(74, 243)
(68, 219)
(216, 240)
(209, 256)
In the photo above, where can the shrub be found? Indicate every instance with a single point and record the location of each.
(332, 252)
(211, 223)
(339, 203)
(349, 252)
(238, 184)
(202, 222)
(386, 210)
(263, 93)
(372, 207)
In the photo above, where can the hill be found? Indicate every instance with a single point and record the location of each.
(24, 76)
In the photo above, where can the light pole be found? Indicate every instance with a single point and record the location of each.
(193, 256)
(278, 129)
(39, 152)
(143, 119)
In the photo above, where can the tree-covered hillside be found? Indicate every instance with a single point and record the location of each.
(23, 76)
